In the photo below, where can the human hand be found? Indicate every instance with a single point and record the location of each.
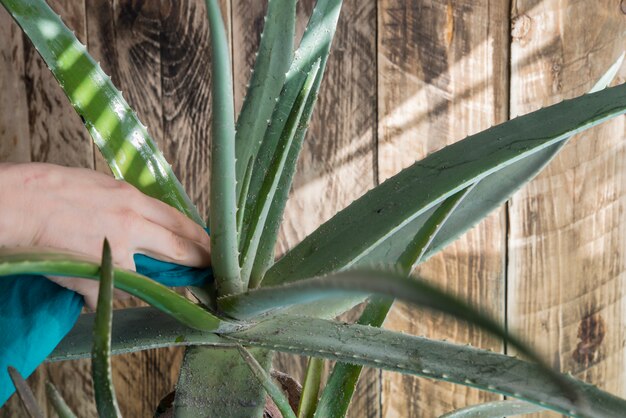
(45, 205)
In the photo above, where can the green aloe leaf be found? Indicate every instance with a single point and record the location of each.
(106, 402)
(37, 261)
(358, 344)
(135, 329)
(260, 212)
(311, 388)
(491, 192)
(265, 379)
(496, 409)
(58, 403)
(225, 251)
(315, 45)
(379, 348)
(370, 227)
(268, 76)
(25, 394)
(494, 190)
(385, 283)
(122, 139)
(342, 382)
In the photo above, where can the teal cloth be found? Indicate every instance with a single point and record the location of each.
(35, 314)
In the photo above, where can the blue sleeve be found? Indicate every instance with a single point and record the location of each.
(35, 314)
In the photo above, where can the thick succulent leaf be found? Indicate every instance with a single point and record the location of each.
(106, 402)
(356, 344)
(58, 403)
(373, 347)
(339, 390)
(495, 189)
(341, 384)
(224, 247)
(217, 382)
(268, 76)
(311, 388)
(365, 230)
(265, 379)
(315, 45)
(385, 283)
(122, 139)
(134, 329)
(37, 261)
(496, 409)
(25, 394)
(265, 200)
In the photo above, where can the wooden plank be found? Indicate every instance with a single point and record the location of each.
(337, 163)
(567, 263)
(442, 71)
(14, 129)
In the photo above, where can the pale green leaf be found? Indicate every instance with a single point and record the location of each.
(260, 212)
(315, 45)
(223, 216)
(268, 76)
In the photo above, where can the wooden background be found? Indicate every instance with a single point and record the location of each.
(406, 77)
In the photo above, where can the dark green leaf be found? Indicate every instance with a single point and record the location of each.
(37, 261)
(106, 402)
(368, 229)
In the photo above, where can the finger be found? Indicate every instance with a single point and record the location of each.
(161, 243)
(163, 214)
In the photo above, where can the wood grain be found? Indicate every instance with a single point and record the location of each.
(14, 128)
(442, 76)
(567, 271)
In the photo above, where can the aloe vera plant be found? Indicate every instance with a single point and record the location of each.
(364, 253)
